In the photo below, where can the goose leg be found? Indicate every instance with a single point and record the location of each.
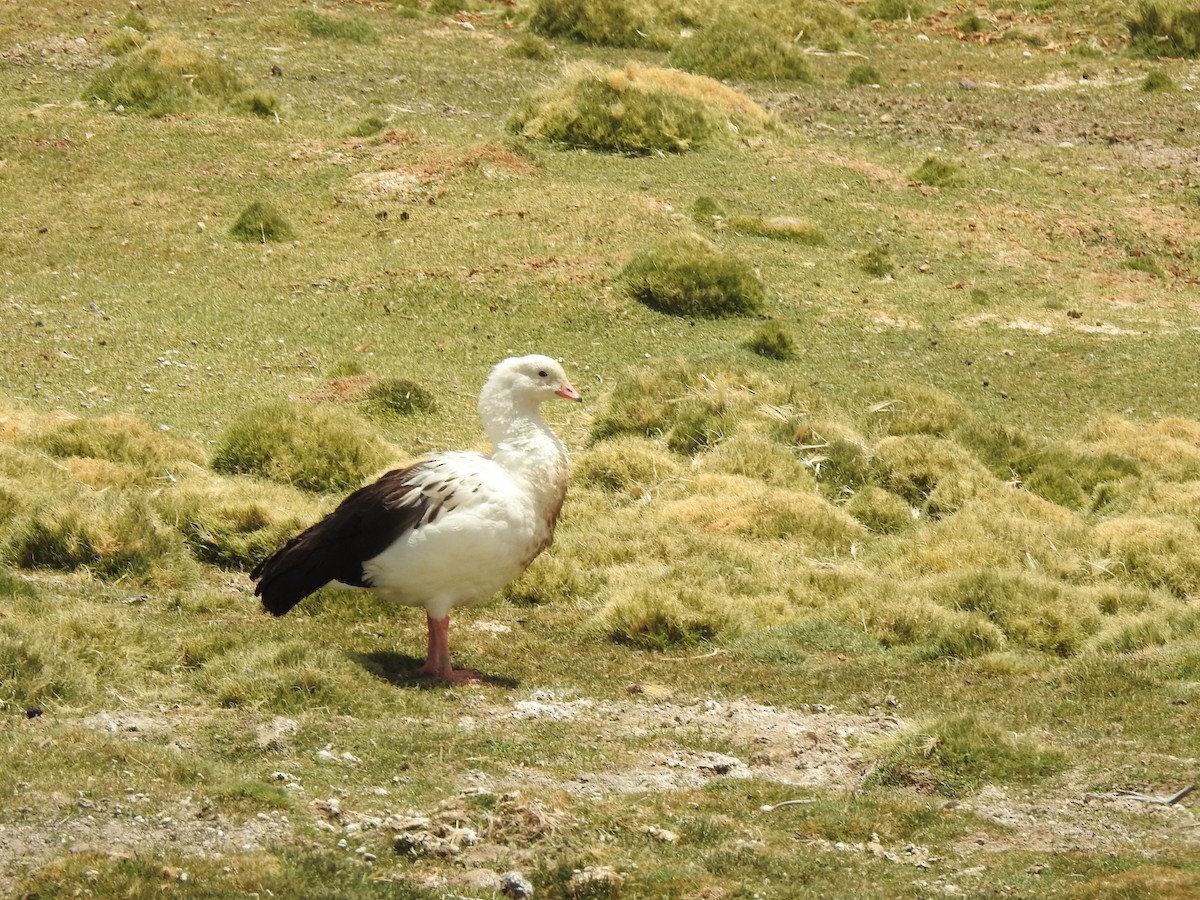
(437, 654)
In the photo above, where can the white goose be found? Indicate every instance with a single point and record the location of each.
(450, 530)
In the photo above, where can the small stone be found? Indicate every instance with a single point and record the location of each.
(33, 712)
(514, 884)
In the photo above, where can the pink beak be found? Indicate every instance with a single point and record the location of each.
(566, 389)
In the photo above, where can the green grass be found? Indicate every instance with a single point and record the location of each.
(688, 276)
(736, 48)
(163, 77)
(262, 222)
(910, 535)
(636, 110)
(1165, 29)
(320, 25)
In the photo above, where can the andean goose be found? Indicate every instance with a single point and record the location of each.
(450, 530)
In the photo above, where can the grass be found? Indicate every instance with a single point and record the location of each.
(892, 10)
(317, 449)
(939, 173)
(320, 25)
(736, 48)
(688, 276)
(1158, 29)
(772, 341)
(165, 76)
(636, 110)
(932, 571)
(606, 23)
(262, 222)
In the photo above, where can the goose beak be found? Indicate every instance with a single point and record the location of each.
(566, 389)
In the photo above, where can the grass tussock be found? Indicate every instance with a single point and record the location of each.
(164, 77)
(881, 511)
(1158, 81)
(259, 103)
(738, 48)
(368, 127)
(1160, 552)
(877, 262)
(892, 10)
(636, 110)
(957, 756)
(772, 341)
(1170, 447)
(686, 275)
(692, 410)
(553, 579)
(113, 535)
(909, 409)
(1165, 29)
(125, 40)
(751, 454)
(939, 173)
(863, 75)
(625, 464)
(313, 448)
(530, 47)
(674, 607)
(124, 440)
(932, 474)
(322, 25)
(234, 524)
(605, 23)
(1032, 612)
(262, 223)
(827, 25)
(809, 523)
(796, 229)
(398, 396)
(278, 677)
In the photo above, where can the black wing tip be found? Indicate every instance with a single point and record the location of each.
(277, 606)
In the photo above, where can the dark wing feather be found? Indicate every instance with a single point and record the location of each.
(335, 548)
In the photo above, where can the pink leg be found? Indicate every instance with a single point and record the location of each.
(437, 654)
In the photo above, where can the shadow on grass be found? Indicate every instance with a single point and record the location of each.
(400, 670)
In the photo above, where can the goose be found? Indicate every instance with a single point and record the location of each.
(451, 529)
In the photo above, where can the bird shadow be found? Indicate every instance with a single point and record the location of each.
(400, 670)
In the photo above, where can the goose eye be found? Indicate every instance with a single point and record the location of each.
(543, 374)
